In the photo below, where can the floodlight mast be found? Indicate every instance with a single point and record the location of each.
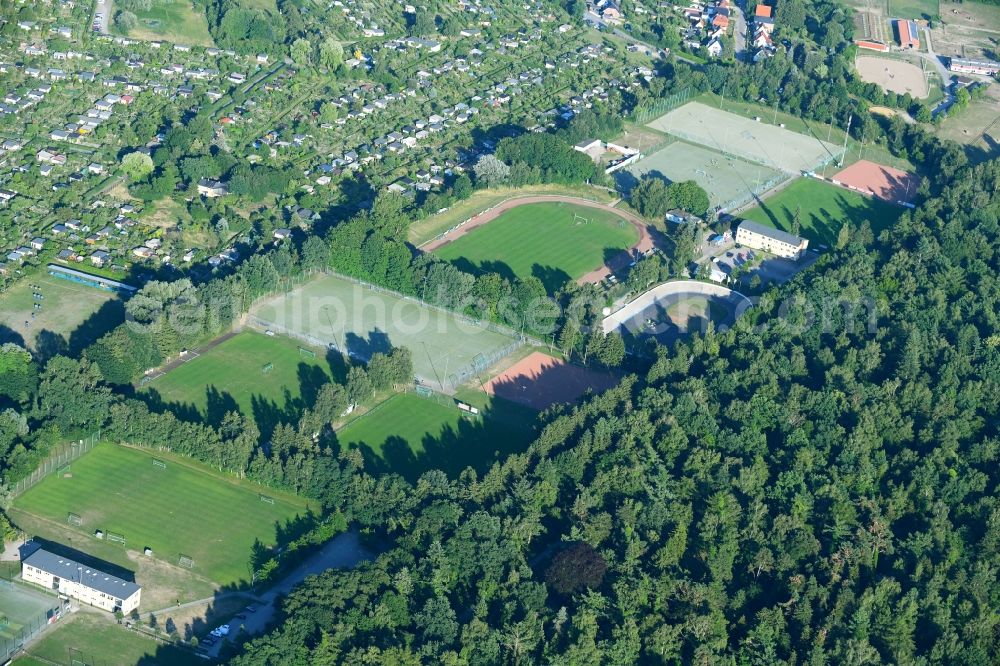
(846, 136)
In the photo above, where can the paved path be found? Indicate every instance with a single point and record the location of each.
(218, 597)
(344, 551)
(942, 71)
(616, 320)
(617, 263)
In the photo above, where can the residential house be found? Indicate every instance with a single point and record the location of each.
(212, 188)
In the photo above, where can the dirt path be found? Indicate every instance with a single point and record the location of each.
(617, 263)
(191, 355)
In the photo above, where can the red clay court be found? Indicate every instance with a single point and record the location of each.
(540, 381)
(892, 185)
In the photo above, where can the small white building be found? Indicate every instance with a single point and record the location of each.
(80, 582)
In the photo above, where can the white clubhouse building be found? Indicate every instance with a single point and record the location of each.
(80, 582)
(777, 242)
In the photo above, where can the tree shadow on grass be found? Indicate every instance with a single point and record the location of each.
(268, 414)
(311, 380)
(217, 405)
(108, 316)
(185, 411)
(482, 268)
(360, 348)
(475, 442)
(552, 278)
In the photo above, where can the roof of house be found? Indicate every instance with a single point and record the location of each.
(74, 571)
(763, 11)
(771, 232)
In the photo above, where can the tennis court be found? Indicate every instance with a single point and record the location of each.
(746, 138)
(727, 179)
(361, 320)
(22, 612)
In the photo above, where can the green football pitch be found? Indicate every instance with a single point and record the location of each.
(362, 320)
(823, 210)
(409, 434)
(184, 508)
(555, 242)
(234, 375)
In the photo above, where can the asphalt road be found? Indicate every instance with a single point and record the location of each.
(741, 33)
(344, 551)
(935, 60)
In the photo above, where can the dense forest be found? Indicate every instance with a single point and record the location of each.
(817, 485)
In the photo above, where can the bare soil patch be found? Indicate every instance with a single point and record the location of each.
(540, 381)
(887, 183)
(896, 76)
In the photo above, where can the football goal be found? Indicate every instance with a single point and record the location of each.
(185, 561)
(115, 537)
(266, 500)
(159, 463)
(74, 519)
(308, 353)
(266, 368)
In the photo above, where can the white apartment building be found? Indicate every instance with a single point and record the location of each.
(80, 582)
(777, 242)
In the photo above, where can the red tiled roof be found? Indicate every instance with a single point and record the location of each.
(762, 11)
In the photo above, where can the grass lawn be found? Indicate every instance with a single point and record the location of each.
(914, 9)
(544, 240)
(427, 229)
(94, 639)
(824, 210)
(409, 434)
(185, 508)
(75, 313)
(231, 377)
(177, 21)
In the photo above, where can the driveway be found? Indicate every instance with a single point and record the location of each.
(942, 71)
(344, 551)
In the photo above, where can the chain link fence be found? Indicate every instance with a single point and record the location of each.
(19, 631)
(652, 110)
(57, 459)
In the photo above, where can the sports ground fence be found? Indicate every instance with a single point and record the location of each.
(62, 456)
(12, 641)
(454, 379)
(651, 110)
